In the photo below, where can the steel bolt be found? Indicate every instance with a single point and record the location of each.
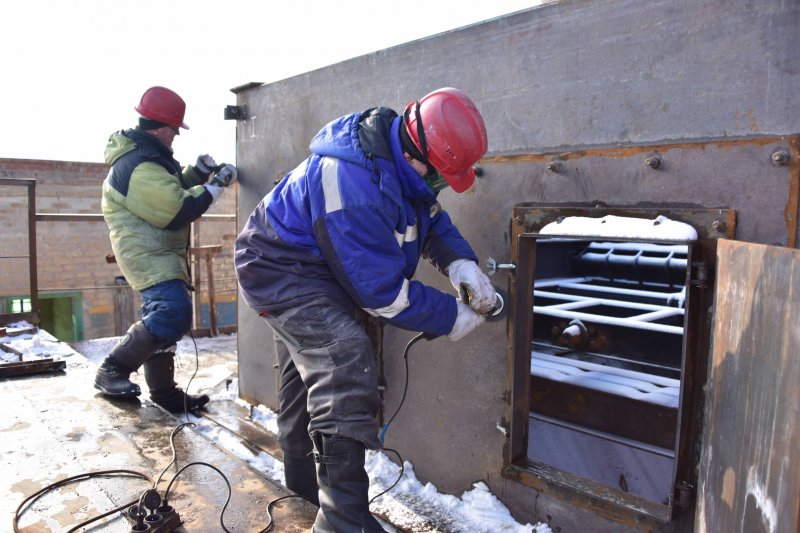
(718, 225)
(653, 162)
(554, 166)
(781, 158)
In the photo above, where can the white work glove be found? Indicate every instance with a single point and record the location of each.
(215, 190)
(466, 321)
(480, 293)
(225, 176)
(205, 165)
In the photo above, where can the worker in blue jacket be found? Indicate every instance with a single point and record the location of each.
(341, 235)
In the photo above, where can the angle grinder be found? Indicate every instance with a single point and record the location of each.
(498, 311)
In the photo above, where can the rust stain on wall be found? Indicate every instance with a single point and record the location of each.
(627, 151)
(791, 207)
(729, 487)
(792, 211)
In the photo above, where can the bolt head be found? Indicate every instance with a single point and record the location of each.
(554, 166)
(781, 157)
(653, 162)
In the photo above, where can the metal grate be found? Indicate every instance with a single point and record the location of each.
(625, 296)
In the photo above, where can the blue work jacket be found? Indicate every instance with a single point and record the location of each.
(351, 222)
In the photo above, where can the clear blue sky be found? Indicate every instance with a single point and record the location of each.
(74, 69)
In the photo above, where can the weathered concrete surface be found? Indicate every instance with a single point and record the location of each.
(55, 426)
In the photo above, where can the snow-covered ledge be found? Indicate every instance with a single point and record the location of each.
(660, 228)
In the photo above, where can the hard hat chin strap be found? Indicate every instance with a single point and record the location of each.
(408, 144)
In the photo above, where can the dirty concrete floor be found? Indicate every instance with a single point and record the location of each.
(56, 425)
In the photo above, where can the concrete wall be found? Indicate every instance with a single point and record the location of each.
(708, 86)
(71, 254)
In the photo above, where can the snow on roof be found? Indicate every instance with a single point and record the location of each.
(33, 343)
(476, 510)
(660, 228)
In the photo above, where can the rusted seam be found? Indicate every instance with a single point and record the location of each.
(628, 150)
(792, 210)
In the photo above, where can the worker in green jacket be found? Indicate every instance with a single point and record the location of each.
(149, 203)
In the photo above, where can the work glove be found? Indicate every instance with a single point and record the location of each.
(466, 275)
(215, 190)
(225, 176)
(205, 165)
(466, 321)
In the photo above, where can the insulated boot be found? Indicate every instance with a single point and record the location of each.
(343, 486)
(159, 373)
(301, 477)
(133, 349)
(113, 379)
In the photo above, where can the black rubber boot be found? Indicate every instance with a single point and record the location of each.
(301, 477)
(343, 486)
(133, 349)
(113, 379)
(159, 373)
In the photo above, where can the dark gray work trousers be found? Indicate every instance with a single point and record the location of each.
(328, 377)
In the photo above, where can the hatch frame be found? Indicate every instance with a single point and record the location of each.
(606, 501)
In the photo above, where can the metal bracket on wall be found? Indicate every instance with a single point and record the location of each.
(235, 112)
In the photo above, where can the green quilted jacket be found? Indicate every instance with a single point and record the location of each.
(149, 204)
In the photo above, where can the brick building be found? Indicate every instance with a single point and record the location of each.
(81, 294)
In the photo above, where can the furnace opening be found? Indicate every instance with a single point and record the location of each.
(606, 361)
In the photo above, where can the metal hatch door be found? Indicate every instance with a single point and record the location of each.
(749, 478)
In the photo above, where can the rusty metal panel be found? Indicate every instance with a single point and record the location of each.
(738, 175)
(600, 410)
(749, 478)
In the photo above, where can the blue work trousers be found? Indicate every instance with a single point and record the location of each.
(167, 310)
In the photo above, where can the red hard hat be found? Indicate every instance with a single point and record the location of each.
(163, 105)
(452, 131)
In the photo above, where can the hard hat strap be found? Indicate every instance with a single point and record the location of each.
(420, 154)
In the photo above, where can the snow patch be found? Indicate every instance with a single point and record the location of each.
(660, 228)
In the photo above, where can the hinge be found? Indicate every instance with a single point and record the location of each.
(700, 274)
(684, 492)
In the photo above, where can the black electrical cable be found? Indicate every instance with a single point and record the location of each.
(383, 433)
(385, 428)
(271, 522)
(269, 525)
(174, 451)
(396, 481)
(89, 475)
(79, 477)
(412, 342)
(224, 478)
(196, 368)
